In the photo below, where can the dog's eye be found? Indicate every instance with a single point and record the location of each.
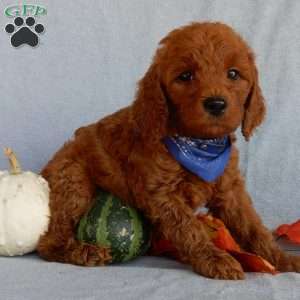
(186, 76)
(233, 74)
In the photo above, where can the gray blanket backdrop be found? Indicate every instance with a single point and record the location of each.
(86, 66)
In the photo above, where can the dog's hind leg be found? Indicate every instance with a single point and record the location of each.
(70, 197)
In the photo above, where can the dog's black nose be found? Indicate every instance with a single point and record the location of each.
(215, 105)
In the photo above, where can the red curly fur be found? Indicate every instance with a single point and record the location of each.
(123, 154)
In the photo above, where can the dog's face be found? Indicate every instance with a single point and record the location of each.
(202, 83)
(208, 77)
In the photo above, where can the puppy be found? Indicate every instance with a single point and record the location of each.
(172, 150)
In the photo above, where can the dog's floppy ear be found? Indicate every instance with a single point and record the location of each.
(255, 106)
(150, 110)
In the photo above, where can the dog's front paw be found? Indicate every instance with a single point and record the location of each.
(220, 265)
(295, 261)
(290, 264)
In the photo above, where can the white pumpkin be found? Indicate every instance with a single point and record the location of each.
(24, 209)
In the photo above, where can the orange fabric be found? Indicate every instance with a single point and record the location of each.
(291, 232)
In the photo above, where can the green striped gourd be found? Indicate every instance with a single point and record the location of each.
(112, 224)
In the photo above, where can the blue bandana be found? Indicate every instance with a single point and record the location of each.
(206, 158)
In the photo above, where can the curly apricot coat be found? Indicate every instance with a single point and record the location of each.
(123, 154)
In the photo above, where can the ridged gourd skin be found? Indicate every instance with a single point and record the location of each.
(24, 211)
(112, 224)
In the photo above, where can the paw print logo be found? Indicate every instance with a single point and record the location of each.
(24, 33)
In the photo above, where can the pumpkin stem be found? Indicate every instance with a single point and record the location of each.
(14, 163)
